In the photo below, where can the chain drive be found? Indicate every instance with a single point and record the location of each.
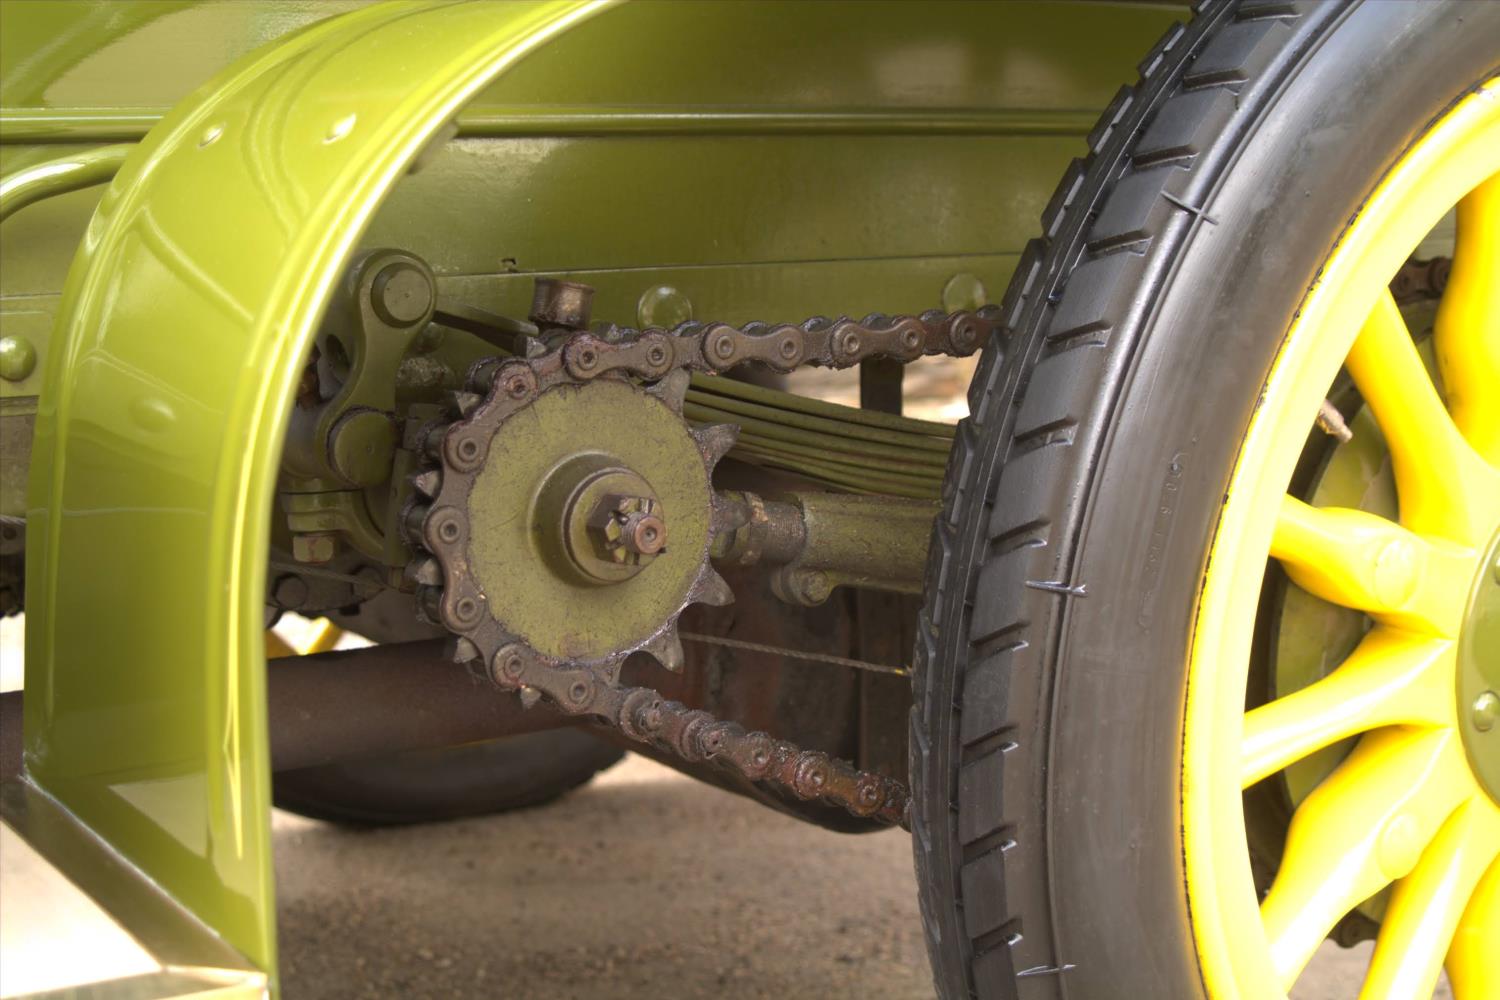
(499, 387)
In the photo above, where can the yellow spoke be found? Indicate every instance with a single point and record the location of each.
(1364, 827)
(1445, 488)
(326, 637)
(277, 647)
(1474, 956)
(1426, 905)
(1467, 335)
(1364, 561)
(1391, 678)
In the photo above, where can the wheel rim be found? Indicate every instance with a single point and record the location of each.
(1414, 805)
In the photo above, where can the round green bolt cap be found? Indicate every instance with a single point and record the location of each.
(664, 307)
(401, 294)
(964, 291)
(1486, 711)
(17, 358)
(362, 445)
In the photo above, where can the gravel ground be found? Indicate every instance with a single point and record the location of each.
(642, 885)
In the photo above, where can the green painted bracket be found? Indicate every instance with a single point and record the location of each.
(186, 318)
(65, 173)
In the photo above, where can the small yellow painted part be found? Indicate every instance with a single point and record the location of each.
(1361, 560)
(325, 636)
(1363, 828)
(1392, 678)
(1474, 958)
(1447, 490)
(1467, 334)
(1383, 816)
(1425, 909)
(277, 647)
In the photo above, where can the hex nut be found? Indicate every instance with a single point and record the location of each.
(315, 548)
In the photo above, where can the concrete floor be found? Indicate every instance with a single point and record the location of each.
(642, 885)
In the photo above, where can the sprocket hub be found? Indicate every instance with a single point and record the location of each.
(574, 522)
(543, 570)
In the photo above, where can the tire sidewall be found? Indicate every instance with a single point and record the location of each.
(1225, 303)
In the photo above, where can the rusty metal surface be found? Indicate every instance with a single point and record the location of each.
(384, 699)
(820, 540)
(589, 686)
(1421, 279)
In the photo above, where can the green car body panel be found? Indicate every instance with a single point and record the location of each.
(766, 160)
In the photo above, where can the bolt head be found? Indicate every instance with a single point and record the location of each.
(628, 530)
(1485, 711)
(401, 294)
(315, 549)
(291, 592)
(964, 291)
(362, 446)
(812, 586)
(663, 306)
(644, 534)
(17, 358)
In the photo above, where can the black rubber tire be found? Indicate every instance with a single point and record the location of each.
(1082, 494)
(425, 786)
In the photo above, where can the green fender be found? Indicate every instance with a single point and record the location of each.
(185, 320)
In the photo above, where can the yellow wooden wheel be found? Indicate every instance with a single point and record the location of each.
(1416, 805)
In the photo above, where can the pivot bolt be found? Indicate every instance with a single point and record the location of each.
(401, 294)
(629, 530)
(1485, 711)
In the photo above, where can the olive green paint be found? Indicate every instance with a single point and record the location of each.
(539, 458)
(770, 162)
(50, 178)
(181, 336)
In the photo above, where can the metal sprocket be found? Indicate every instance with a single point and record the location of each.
(583, 678)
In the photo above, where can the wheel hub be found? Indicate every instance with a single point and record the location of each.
(1479, 673)
(606, 520)
(567, 537)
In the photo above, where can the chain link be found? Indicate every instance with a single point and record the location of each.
(501, 387)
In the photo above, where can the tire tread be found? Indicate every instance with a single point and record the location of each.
(1038, 416)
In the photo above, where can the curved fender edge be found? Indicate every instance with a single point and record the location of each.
(185, 319)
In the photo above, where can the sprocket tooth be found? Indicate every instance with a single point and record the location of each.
(428, 482)
(463, 650)
(728, 514)
(667, 648)
(465, 402)
(672, 388)
(712, 589)
(529, 696)
(715, 440)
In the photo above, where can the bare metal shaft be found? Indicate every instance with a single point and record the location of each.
(820, 541)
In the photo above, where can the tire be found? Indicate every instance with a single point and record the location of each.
(430, 785)
(1082, 494)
